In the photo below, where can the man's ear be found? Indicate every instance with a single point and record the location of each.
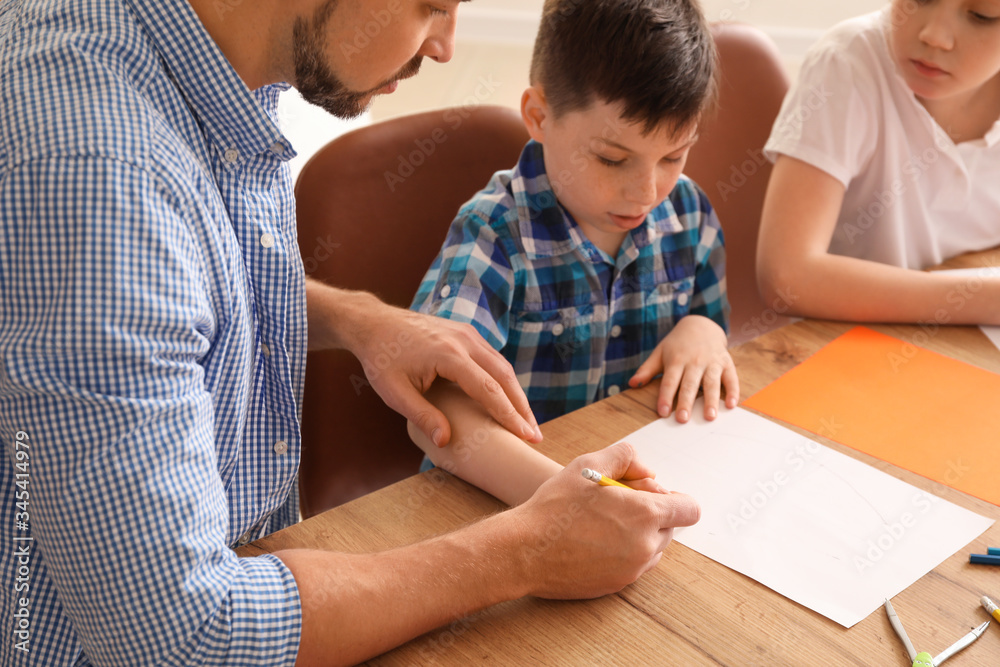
(535, 113)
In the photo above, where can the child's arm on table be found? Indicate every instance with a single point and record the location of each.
(795, 268)
(490, 457)
(694, 354)
(481, 451)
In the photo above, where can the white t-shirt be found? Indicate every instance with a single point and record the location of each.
(913, 197)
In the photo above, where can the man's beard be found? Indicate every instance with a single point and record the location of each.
(317, 83)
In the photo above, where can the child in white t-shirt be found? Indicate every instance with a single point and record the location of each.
(887, 159)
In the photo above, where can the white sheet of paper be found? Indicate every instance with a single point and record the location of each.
(992, 332)
(821, 528)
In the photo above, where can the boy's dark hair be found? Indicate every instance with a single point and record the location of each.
(654, 57)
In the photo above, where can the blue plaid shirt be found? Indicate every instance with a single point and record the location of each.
(152, 343)
(574, 322)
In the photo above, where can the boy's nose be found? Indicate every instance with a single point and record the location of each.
(642, 191)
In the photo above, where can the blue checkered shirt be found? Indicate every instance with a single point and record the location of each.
(152, 343)
(574, 322)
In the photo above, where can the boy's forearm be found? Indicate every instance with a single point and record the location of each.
(356, 606)
(481, 451)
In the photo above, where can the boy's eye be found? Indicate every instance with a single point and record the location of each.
(438, 11)
(607, 162)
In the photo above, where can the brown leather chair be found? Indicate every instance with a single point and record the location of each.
(729, 165)
(373, 207)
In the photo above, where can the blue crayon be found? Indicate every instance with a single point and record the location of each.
(993, 551)
(983, 559)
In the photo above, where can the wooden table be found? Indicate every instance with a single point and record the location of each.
(689, 610)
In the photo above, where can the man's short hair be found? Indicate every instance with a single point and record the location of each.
(654, 57)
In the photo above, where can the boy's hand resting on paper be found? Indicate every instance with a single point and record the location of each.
(582, 540)
(694, 354)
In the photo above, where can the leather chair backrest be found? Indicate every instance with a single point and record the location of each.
(373, 208)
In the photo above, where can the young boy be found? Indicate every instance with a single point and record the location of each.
(887, 159)
(593, 264)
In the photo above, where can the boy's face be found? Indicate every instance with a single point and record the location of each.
(345, 53)
(604, 171)
(946, 48)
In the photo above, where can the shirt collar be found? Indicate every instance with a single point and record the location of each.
(234, 118)
(548, 230)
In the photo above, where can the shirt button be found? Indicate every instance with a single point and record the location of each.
(267, 240)
(616, 331)
(682, 298)
(265, 349)
(558, 329)
(280, 447)
(277, 147)
(445, 291)
(231, 155)
(245, 538)
(613, 389)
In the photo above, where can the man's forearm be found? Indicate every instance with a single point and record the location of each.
(337, 316)
(355, 606)
(572, 539)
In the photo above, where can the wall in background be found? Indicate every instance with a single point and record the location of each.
(494, 47)
(818, 14)
(309, 128)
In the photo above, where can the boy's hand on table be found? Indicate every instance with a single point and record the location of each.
(582, 540)
(693, 355)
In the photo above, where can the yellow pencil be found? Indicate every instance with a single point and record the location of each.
(595, 476)
(990, 607)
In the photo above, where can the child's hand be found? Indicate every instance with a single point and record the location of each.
(693, 355)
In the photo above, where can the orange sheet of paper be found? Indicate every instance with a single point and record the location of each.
(904, 404)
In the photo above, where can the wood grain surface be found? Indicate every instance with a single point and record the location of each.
(689, 610)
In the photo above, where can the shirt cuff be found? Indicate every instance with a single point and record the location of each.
(259, 623)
